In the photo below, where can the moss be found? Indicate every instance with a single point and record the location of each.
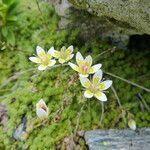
(120, 13)
(22, 94)
(82, 4)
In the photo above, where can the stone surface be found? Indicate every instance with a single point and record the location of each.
(20, 130)
(111, 20)
(131, 15)
(115, 139)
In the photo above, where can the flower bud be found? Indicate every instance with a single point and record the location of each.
(42, 110)
(132, 124)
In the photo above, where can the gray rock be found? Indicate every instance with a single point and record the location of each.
(115, 139)
(111, 20)
(20, 130)
(131, 15)
(61, 6)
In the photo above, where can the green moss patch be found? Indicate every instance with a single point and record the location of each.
(55, 86)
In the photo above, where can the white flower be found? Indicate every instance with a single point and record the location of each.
(96, 87)
(42, 110)
(64, 55)
(132, 124)
(84, 67)
(44, 59)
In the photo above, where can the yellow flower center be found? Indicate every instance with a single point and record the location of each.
(63, 55)
(84, 68)
(94, 88)
(45, 60)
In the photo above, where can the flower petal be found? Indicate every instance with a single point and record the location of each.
(105, 84)
(35, 59)
(41, 109)
(54, 53)
(100, 96)
(79, 58)
(70, 57)
(69, 50)
(84, 75)
(41, 102)
(97, 76)
(95, 68)
(73, 66)
(63, 48)
(61, 60)
(42, 67)
(52, 62)
(88, 59)
(40, 51)
(51, 51)
(85, 82)
(88, 94)
(41, 113)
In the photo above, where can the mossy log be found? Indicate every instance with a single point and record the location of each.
(115, 139)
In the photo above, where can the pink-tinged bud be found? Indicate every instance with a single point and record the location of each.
(42, 110)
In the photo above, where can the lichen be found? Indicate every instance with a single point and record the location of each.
(133, 13)
(22, 94)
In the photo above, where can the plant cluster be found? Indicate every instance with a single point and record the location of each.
(95, 88)
(8, 20)
(47, 61)
(22, 85)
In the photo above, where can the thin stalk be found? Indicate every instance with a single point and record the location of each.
(38, 5)
(17, 74)
(104, 52)
(102, 114)
(89, 109)
(144, 102)
(130, 82)
(116, 95)
(119, 103)
(70, 127)
(78, 118)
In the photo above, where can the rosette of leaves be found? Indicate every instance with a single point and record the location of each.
(8, 19)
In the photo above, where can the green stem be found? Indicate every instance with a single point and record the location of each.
(38, 5)
(119, 103)
(17, 74)
(104, 52)
(78, 118)
(116, 95)
(130, 82)
(144, 102)
(102, 114)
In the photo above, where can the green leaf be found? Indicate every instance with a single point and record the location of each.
(12, 8)
(8, 1)
(12, 18)
(11, 38)
(4, 31)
